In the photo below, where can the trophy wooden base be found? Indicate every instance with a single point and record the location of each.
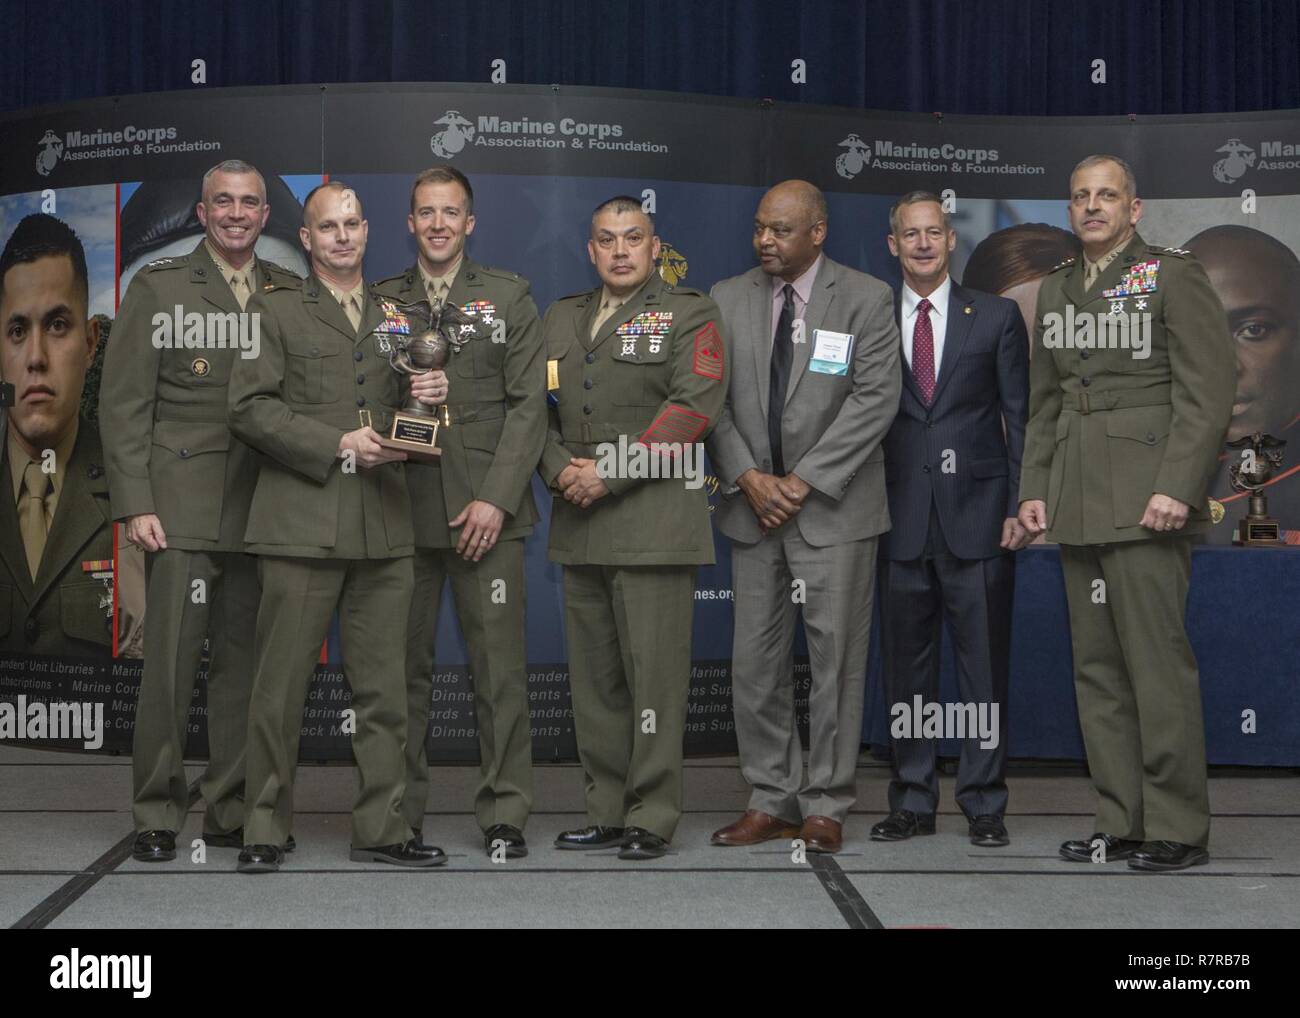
(1256, 531)
(415, 435)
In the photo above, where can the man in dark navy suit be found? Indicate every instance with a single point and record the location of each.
(952, 474)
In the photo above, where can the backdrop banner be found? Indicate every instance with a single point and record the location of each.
(125, 174)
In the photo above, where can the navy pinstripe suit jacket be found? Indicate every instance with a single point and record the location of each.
(956, 452)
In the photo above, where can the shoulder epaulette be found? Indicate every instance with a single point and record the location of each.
(500, 273)
(278, 270)
(576, 296)
(689, 291)
(1062, 265)
(1179, 251)
(401, 277)
(176, 262)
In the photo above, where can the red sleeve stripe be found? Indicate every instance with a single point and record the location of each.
(675, 424)
(709, 353)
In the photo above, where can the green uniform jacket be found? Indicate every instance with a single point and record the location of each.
(163, 411)
(645, 377)
(293, 404)
(1107, 430)
(66, 610)
(496, 396)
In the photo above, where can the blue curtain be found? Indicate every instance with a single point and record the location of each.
(994, 57)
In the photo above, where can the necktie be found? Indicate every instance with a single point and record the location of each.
(923, 351)
(1090, 273)
(438, 290)
(353, 311)
(779, 380)
(240, 289)
(31, 514)
(602, 316)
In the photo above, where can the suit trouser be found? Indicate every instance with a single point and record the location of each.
(491, 616)
(838, 587)
(179, 612)
(1138, 689)
(974, 595)
(629, 636)
(299, 595)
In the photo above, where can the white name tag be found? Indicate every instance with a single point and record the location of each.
(831, 350)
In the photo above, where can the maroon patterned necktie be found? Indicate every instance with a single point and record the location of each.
(923, 351)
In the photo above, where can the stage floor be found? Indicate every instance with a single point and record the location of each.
(65, 838)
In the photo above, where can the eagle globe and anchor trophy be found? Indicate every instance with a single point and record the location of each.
(425, 336)
(1261, 455)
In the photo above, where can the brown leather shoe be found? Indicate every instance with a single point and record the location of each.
(822, 834)
(754, 827)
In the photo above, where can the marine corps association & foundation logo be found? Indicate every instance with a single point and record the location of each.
(456, 133)
(50, 153)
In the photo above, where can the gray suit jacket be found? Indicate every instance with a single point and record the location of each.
(833, 424)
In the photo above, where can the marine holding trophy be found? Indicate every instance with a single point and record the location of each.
(331, 520)
(471, 502)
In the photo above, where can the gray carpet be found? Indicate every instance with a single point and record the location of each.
(62, 815)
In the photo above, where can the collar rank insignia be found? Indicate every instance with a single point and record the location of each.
(1140, 278)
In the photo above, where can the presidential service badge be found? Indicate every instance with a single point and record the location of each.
(200, 367)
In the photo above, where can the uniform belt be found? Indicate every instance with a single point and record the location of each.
(468, 413)
(185, 412)
(1121, 399)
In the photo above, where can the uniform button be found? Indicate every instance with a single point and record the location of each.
(361, 401)
(587, 409)
(185, 454)
(361, 379)
(1083, 354)
(32, 630)
(587, 383)
(591, 358)
(357, 355)
(925, 469)
(1086, 381)
(315, 350)
(929, 424)
(95, 472)
(1150, 437)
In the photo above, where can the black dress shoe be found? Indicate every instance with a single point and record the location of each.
(903, 824)
(988, 832)
(590, 837)
(235, 839)
(154, 846)
(1116, 848)
(510, 835)
(1163, 856)
(260, 859)
(638, 843)
(408, 853)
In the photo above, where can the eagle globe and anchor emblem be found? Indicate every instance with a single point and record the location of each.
(50, 153)
(1238, 158)
(456, 133)
(852, 162)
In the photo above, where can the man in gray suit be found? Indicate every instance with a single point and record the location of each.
(815, 385)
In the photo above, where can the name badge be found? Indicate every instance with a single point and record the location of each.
(552, 375)
(831, 350)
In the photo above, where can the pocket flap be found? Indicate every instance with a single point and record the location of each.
(1147, 428)
(990, 468)
(306, 346)
(191, 438)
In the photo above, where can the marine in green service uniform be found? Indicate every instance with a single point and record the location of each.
(181, 485)
(1132, 382)
(635, 361)
(56, 530)
(473, 507)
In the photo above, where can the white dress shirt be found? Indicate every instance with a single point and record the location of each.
(938, 320)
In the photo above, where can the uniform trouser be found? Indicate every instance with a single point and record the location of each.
(299, 595)
(179, 612)
(838, 583)
(629, 635)
(974, 595)
(490, 602)
(1138, 690)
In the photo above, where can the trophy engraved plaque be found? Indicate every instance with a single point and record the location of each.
(424, 338)
(1262, 454)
